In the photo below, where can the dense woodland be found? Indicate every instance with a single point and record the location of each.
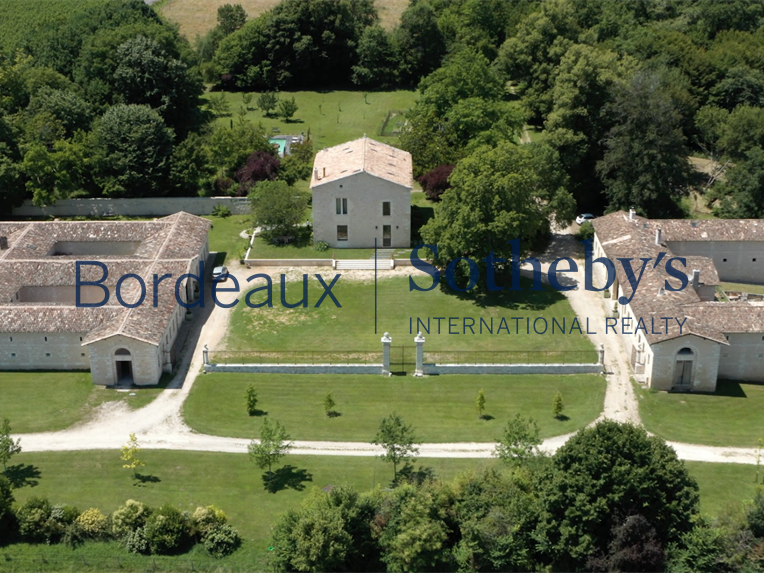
(103, 99)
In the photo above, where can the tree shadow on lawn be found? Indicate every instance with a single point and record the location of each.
(258, 413)
(287, 477)
(141, 480)
(333, 414)
(22, 475)
(562, 418)
(726, 388)
(525, 299)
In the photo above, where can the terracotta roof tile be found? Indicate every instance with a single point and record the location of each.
(372, 157)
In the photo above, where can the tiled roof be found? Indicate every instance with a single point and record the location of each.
(372, 157)
(622, 236)
(166, 245)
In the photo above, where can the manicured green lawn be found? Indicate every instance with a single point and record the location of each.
(441, 408)
(351, 327)
(49, 401)
(188, 479)
(731, 417)
(232, 483)
(224, 236)
(723, 485)
(332, 117)
(262, 249)
(739, 287)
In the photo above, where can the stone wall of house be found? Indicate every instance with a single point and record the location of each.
(706, 356)
(43, 351)
(146, 360)
(735, 261)
(743, 359)
(365, 194)
(142, 207)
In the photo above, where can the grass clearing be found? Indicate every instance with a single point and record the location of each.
(188, 479)
(225, 236)
(730, 417)
(333, 117)
(723, 486)
(197, 17)
(741, 287)
(352, 328)
(50, 401)
(441, 408)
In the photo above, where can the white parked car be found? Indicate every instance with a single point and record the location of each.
(581, 219)
(220, 274)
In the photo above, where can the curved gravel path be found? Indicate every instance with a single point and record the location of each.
(160, 425)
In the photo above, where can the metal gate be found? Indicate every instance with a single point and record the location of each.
(402, 359)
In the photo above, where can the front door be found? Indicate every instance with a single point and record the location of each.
(683, 373)
(387, 237)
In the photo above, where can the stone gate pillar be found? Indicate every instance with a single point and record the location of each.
(601, 355)
(386, 341)
(206, 354)
(419, 354)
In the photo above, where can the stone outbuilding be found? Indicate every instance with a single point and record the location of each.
(718, 337)
(129, 339)
(362, 192)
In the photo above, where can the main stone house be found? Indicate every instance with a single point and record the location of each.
(42, 328)
(362, 193)
(719, 338)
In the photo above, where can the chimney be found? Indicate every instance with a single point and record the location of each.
(695, 278)
(658, 236)
(632, 213)
(315, 173)
(324, 175)
(3, 243)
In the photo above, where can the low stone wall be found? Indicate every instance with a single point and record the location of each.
(143, 207)
(402, 263)
(288, 262)
(297, 368)
(512, 369)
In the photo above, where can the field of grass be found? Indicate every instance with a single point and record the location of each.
(731, 417)
(224, 236)
(262, 249)
(19, 19)
(332, 117)
(49, 401)
(188, 479)
(197, 17)
(739, 287)
(723, 486)
(441, 408)
(351, 327)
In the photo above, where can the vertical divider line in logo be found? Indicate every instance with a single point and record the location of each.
(375, 285)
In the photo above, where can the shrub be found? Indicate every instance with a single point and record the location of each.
(557, 406)
(129, 517)
(61, 517)
(33, 519)
(221, 210)
(93, 523)
(756, 515)
(6, 500)
(435, 182)
(167, 531)
(585, 231)
(251, 397)
(321, 246)
(73, 535)
(222, 540)
(135, 541)
(207, 518)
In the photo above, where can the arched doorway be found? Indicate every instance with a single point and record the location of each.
(123, 362)
(683, 369)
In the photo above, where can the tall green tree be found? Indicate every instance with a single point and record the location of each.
(645, 164)
(741, 195)
(398, 440)
(599, 478)
(231, 17)
(510, 191)
(277, 207)
(377, 59)
(576, 124)
(520, 441)
(132, 149)
(418, 41)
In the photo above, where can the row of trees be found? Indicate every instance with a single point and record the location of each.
(611, 499)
